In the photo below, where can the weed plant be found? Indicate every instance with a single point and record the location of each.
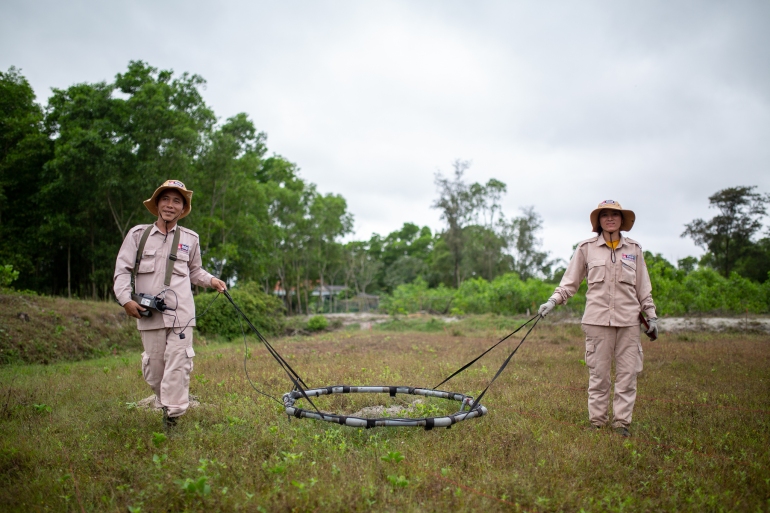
(74, 440)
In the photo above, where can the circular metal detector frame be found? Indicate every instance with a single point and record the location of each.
(428, 423)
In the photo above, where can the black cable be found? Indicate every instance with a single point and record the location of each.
(612, 255)
(246, 370)
(176, 319)
(290, 372)
(509, 335)
(504, 365)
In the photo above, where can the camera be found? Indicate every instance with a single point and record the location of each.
(150, 302)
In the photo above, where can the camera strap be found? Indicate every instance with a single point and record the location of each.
(171, 256)
(139, 251)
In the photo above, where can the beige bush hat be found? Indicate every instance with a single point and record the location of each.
(628, 215)
(152, 204)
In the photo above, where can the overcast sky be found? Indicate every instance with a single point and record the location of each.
(654, 104)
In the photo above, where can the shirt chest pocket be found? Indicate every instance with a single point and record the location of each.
(147, 265)
(181, 266)
(596, 271)
(628, 273)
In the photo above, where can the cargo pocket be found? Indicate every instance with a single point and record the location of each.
(181, 266)
(640, 360)
(145, 365)
(189, 365)
(628, 274)
(596, 270)
(147, 265)
(590, 354)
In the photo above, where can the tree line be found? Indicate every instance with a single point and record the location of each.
(74, 173)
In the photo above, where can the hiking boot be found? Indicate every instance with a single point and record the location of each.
(168, 422)
(622, 431)
(593, 427)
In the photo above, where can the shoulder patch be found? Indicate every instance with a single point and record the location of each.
(584, 242)
(632, 241)
(139, 227)
(189, 232)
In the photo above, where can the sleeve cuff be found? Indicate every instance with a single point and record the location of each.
(206, 280)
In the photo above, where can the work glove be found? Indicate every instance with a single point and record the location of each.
(653, 331)
(546, 307)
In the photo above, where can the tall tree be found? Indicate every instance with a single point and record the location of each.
(231, 213)
(528, 260)
(729, 234)
(455, 202)
(405, 254)
(24, 149)
(113, 144)
(330, 220)
(363, 267)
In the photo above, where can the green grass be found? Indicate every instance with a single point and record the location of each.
(488, 323)
(72, 440)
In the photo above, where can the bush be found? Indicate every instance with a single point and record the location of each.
(675, 292)
(416, 297)
(317, 323)
(507, 295)
(7, 275)
(704, 290)
(264, 311)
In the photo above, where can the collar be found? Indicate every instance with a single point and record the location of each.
(601, 242)
(156, 229)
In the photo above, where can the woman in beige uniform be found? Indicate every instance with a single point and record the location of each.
(618, 290)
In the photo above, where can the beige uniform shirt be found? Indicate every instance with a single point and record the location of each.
(616, 292)
(152, 271)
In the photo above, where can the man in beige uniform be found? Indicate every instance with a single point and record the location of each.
(168, 352)
(618, 290)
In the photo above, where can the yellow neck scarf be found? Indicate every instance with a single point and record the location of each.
(613, 244)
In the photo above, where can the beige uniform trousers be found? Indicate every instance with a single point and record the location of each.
(167, 363)
(602, 344)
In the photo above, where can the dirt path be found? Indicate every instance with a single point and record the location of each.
(714, 323)
(671, 324)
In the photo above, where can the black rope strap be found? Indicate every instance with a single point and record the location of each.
(507, 360)
(509, 335)
(299, 384)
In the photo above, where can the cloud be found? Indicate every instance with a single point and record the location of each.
(654, 104)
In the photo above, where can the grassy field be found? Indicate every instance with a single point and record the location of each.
(74, 440)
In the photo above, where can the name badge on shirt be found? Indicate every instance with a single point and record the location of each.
(632, 258)
(184, 247)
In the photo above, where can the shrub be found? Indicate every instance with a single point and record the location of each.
(416, 296)
(7, 275)
(317, 323)
(675, 292)
(706, 291)
(264, 311)
(507, 294)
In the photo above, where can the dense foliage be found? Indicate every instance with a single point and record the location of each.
(73, 175)
(506, 294)
(218, 317)
(680, 291)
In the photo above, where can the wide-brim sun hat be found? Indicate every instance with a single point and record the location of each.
(152, 204)
(628, 215)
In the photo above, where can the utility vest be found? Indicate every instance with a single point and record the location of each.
(171, 256)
